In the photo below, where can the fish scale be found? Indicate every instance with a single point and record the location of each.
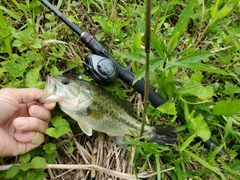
(122, 124)
(94, 108)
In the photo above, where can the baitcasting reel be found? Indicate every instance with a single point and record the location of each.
(101, 69)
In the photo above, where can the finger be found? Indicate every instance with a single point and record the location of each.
(30, 124)
(40, 113)
(31, 137)
(49, 106)
(24, 95)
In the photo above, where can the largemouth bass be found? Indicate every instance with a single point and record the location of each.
(94, 108)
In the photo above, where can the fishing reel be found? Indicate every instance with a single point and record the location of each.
(101, 69)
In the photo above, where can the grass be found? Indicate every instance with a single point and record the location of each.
(195, 58)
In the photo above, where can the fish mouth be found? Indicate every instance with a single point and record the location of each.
(49, 88)
(50, 83)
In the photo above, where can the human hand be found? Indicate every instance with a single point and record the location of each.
(22, 120)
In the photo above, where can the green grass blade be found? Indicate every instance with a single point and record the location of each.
(173, 42)
(158, 167)
(178, 171)
(4, 37)
(205, 164)
(19, 6)
(187, 142)
(217, 15)
(180, 26)
(10, 13)
(228, 168)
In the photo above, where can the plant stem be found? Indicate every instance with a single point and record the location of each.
(147, 51)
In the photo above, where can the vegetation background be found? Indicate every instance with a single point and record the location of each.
(195, 65)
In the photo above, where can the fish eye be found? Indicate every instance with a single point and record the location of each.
(65, 81)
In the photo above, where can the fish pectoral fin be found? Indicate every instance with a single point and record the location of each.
(85, 128)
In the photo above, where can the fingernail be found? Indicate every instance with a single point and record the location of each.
(20, 123)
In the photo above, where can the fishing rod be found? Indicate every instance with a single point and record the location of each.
(103, 68)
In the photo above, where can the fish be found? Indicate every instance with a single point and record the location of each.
(95, 108)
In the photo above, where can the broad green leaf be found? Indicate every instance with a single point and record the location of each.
(25, 158)
(226, 108)
(17, 43)
(71, 64)
(49, 148)
(197, 77)
(36, 43)
(230, 88)
(55, 72)
(32, 79)
(70, 149)
(197, 66)
(12, 172)
(25, 167)
(205, 164)
(73, 19)
(195, 57)
(2, 71)
(31, 175)
(60, 128)
(50, 158)
(154, 63)
(16, 69)
(168, 108)
(137, 43)
(197, 90)
(38, 162)
(198, 126)
(188, 60)
(221, 14)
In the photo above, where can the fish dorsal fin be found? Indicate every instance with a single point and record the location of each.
(85, 128)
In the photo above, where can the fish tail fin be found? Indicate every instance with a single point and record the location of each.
(163, 134)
